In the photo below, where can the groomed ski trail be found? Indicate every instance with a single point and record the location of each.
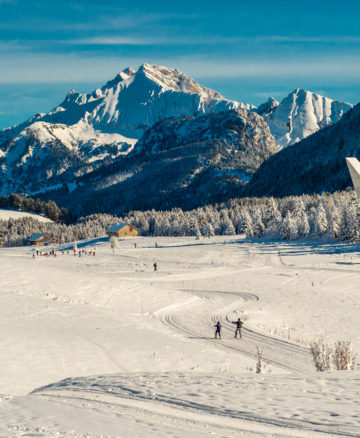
(277, 352)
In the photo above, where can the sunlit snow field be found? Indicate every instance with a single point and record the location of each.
(103, 346)
(12, 214)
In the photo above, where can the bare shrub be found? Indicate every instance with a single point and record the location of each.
(113, 243)
(259, 360)
(344, 356)
(322, 355)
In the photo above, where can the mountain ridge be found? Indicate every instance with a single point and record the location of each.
(302, 113)
(314, 165)
(140, 108)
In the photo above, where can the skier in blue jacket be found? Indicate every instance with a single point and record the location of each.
(218, 330)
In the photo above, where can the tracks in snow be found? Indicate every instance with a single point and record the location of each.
(278, 352)
(183, 411)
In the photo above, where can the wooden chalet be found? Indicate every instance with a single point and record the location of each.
(122, 230)
(40, 240)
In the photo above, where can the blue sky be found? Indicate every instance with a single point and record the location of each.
(247, 50)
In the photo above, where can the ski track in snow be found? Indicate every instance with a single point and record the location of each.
(273, 348)
(173, 408)
(291, 354)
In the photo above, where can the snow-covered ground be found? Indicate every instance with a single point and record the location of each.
(103, 346)
(13, 214)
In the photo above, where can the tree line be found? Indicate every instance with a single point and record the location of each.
(326, 216)
(48, 209)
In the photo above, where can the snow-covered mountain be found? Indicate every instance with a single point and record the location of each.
(300, 114)
(87, 128)
(44, 153)
(314, 165)
(87, 131)
(180, 162)
(133, 101)
(242, 134)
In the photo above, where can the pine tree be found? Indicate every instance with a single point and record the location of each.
(349, 223)
(259, 227)
(272, 216)
(210, 231)
(287, 228)
(333, 223)
(248, 226)
(320, 221)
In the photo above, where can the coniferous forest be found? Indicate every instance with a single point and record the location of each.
(326, 216)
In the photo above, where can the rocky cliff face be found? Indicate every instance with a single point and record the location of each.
(243, 134)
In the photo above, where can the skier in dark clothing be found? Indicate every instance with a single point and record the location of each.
(155, 266)
(218, 330)
(239, 324)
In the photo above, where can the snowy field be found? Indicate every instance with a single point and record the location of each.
(103, 346)
(13, 214)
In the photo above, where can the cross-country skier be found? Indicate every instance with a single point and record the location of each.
(218, 329)
(239, 324)
(155, 266)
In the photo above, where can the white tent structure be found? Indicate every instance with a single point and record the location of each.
(354, 169)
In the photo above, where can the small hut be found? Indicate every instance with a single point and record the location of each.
(40, 240)
(122, 230)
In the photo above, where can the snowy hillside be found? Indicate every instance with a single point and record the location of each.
(241, 133)
(103, 347)
(13, 214)
(300, 114)
(45, 152)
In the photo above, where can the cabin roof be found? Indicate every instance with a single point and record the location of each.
(36, 237)
(117, 227)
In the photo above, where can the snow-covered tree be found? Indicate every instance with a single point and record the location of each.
(287, 228)
(272, 216)
(349, 223)
(320, 221)
(248, 226)
(259, 227)
(333, 223)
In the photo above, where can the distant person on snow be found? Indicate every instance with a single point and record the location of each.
(239, 324)
(155, 266)
(218, 329)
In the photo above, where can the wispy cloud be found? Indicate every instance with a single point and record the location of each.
(155, 40)
(339, 39)
(108, 22)
(36, 68)
(210, 40)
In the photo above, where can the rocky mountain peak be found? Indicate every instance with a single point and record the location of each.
(301, 114)
(267, 107)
